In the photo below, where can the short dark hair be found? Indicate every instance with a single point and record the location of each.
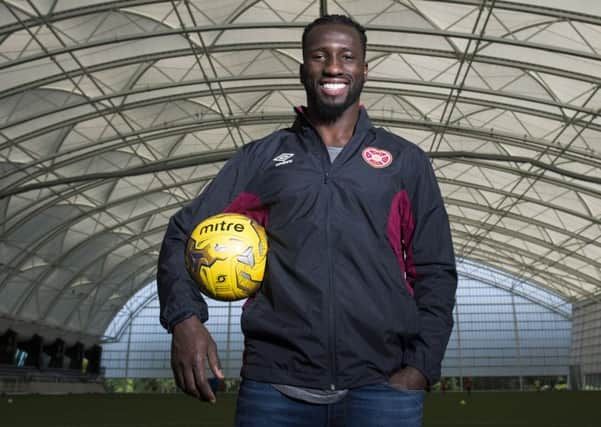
(337, 19)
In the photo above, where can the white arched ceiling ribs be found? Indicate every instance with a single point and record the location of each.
(576, 242)
(139, 281)
(102, 145)
(181, 138)
(534, 9)
(109, 6)
(542, 27)
(261, 88)
(508, 139)
(545, 171)
(501, 255)
(277, 46)
(477, 158)
(19, 260)
(527, 273)
(487, 104)
(510, 288)
(582, 37)
(226, 119)
(564, 148)
(494, 259)
(91, 317)
(49, 200)
(105, 208)
(536, 144)
(543, 84)
(107, 250)
(133, 307)
(177, 163)
(144, 280)
(98, 87)
(466, 60)
(239, 11)
(103, 252)
(87, 116)
(133, 277)
(30, 292)
(28, 211)
(74, 120)
(74, 12)
(537, 260)
(552, 285)
(511, 214)
(558, 230)
(162, 100)
(555, 207)
(65, 49)
(544, 48)
(163, 165)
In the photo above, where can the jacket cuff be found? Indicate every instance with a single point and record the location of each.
(169, 319)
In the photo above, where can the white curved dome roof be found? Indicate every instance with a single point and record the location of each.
(113, 114)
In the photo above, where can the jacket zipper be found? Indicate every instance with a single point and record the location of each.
(331, 305)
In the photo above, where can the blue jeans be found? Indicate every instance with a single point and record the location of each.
(381, 405)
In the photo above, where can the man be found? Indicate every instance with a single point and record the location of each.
(355, 311)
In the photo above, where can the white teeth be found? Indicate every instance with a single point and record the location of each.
(333, 86)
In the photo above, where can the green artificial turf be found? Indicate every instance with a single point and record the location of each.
(484, 409)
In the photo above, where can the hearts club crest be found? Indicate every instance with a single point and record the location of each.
(376, 158)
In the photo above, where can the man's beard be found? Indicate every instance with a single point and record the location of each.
(326, 112)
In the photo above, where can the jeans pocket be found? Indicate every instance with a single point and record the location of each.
(404, 390)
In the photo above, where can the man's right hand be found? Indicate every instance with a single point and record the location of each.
(191, 344)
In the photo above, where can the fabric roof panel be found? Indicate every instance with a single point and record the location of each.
(581, 6)
(460, 17)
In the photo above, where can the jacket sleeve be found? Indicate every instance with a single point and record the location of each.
(431, 270)
(179, 296)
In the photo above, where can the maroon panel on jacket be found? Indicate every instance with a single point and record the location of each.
(250, 205)
(400, 231)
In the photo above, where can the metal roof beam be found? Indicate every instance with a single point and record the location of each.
(16, 264)
(383, 49)
(223, 155)
(544, 278)
(134, 276)
(455, 219)
(533, 9)
(110, 6)
(262, 119)
(484, 279)
(389, 90)
(282, 25)
(559, 208)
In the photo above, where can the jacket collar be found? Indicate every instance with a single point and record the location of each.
(301, 123)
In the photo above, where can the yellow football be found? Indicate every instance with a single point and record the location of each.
(226, 255)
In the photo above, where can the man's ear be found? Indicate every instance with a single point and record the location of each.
(365, 71)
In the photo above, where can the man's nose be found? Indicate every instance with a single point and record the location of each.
(333, 65)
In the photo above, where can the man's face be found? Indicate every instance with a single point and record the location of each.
(333, 70)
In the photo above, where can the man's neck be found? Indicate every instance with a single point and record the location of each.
(338, 132)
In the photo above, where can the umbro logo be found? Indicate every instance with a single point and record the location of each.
(283, 159)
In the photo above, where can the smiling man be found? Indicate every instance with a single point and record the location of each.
(354, 314)
(333, 72)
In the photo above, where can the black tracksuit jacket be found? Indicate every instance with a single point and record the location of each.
(360, 277)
